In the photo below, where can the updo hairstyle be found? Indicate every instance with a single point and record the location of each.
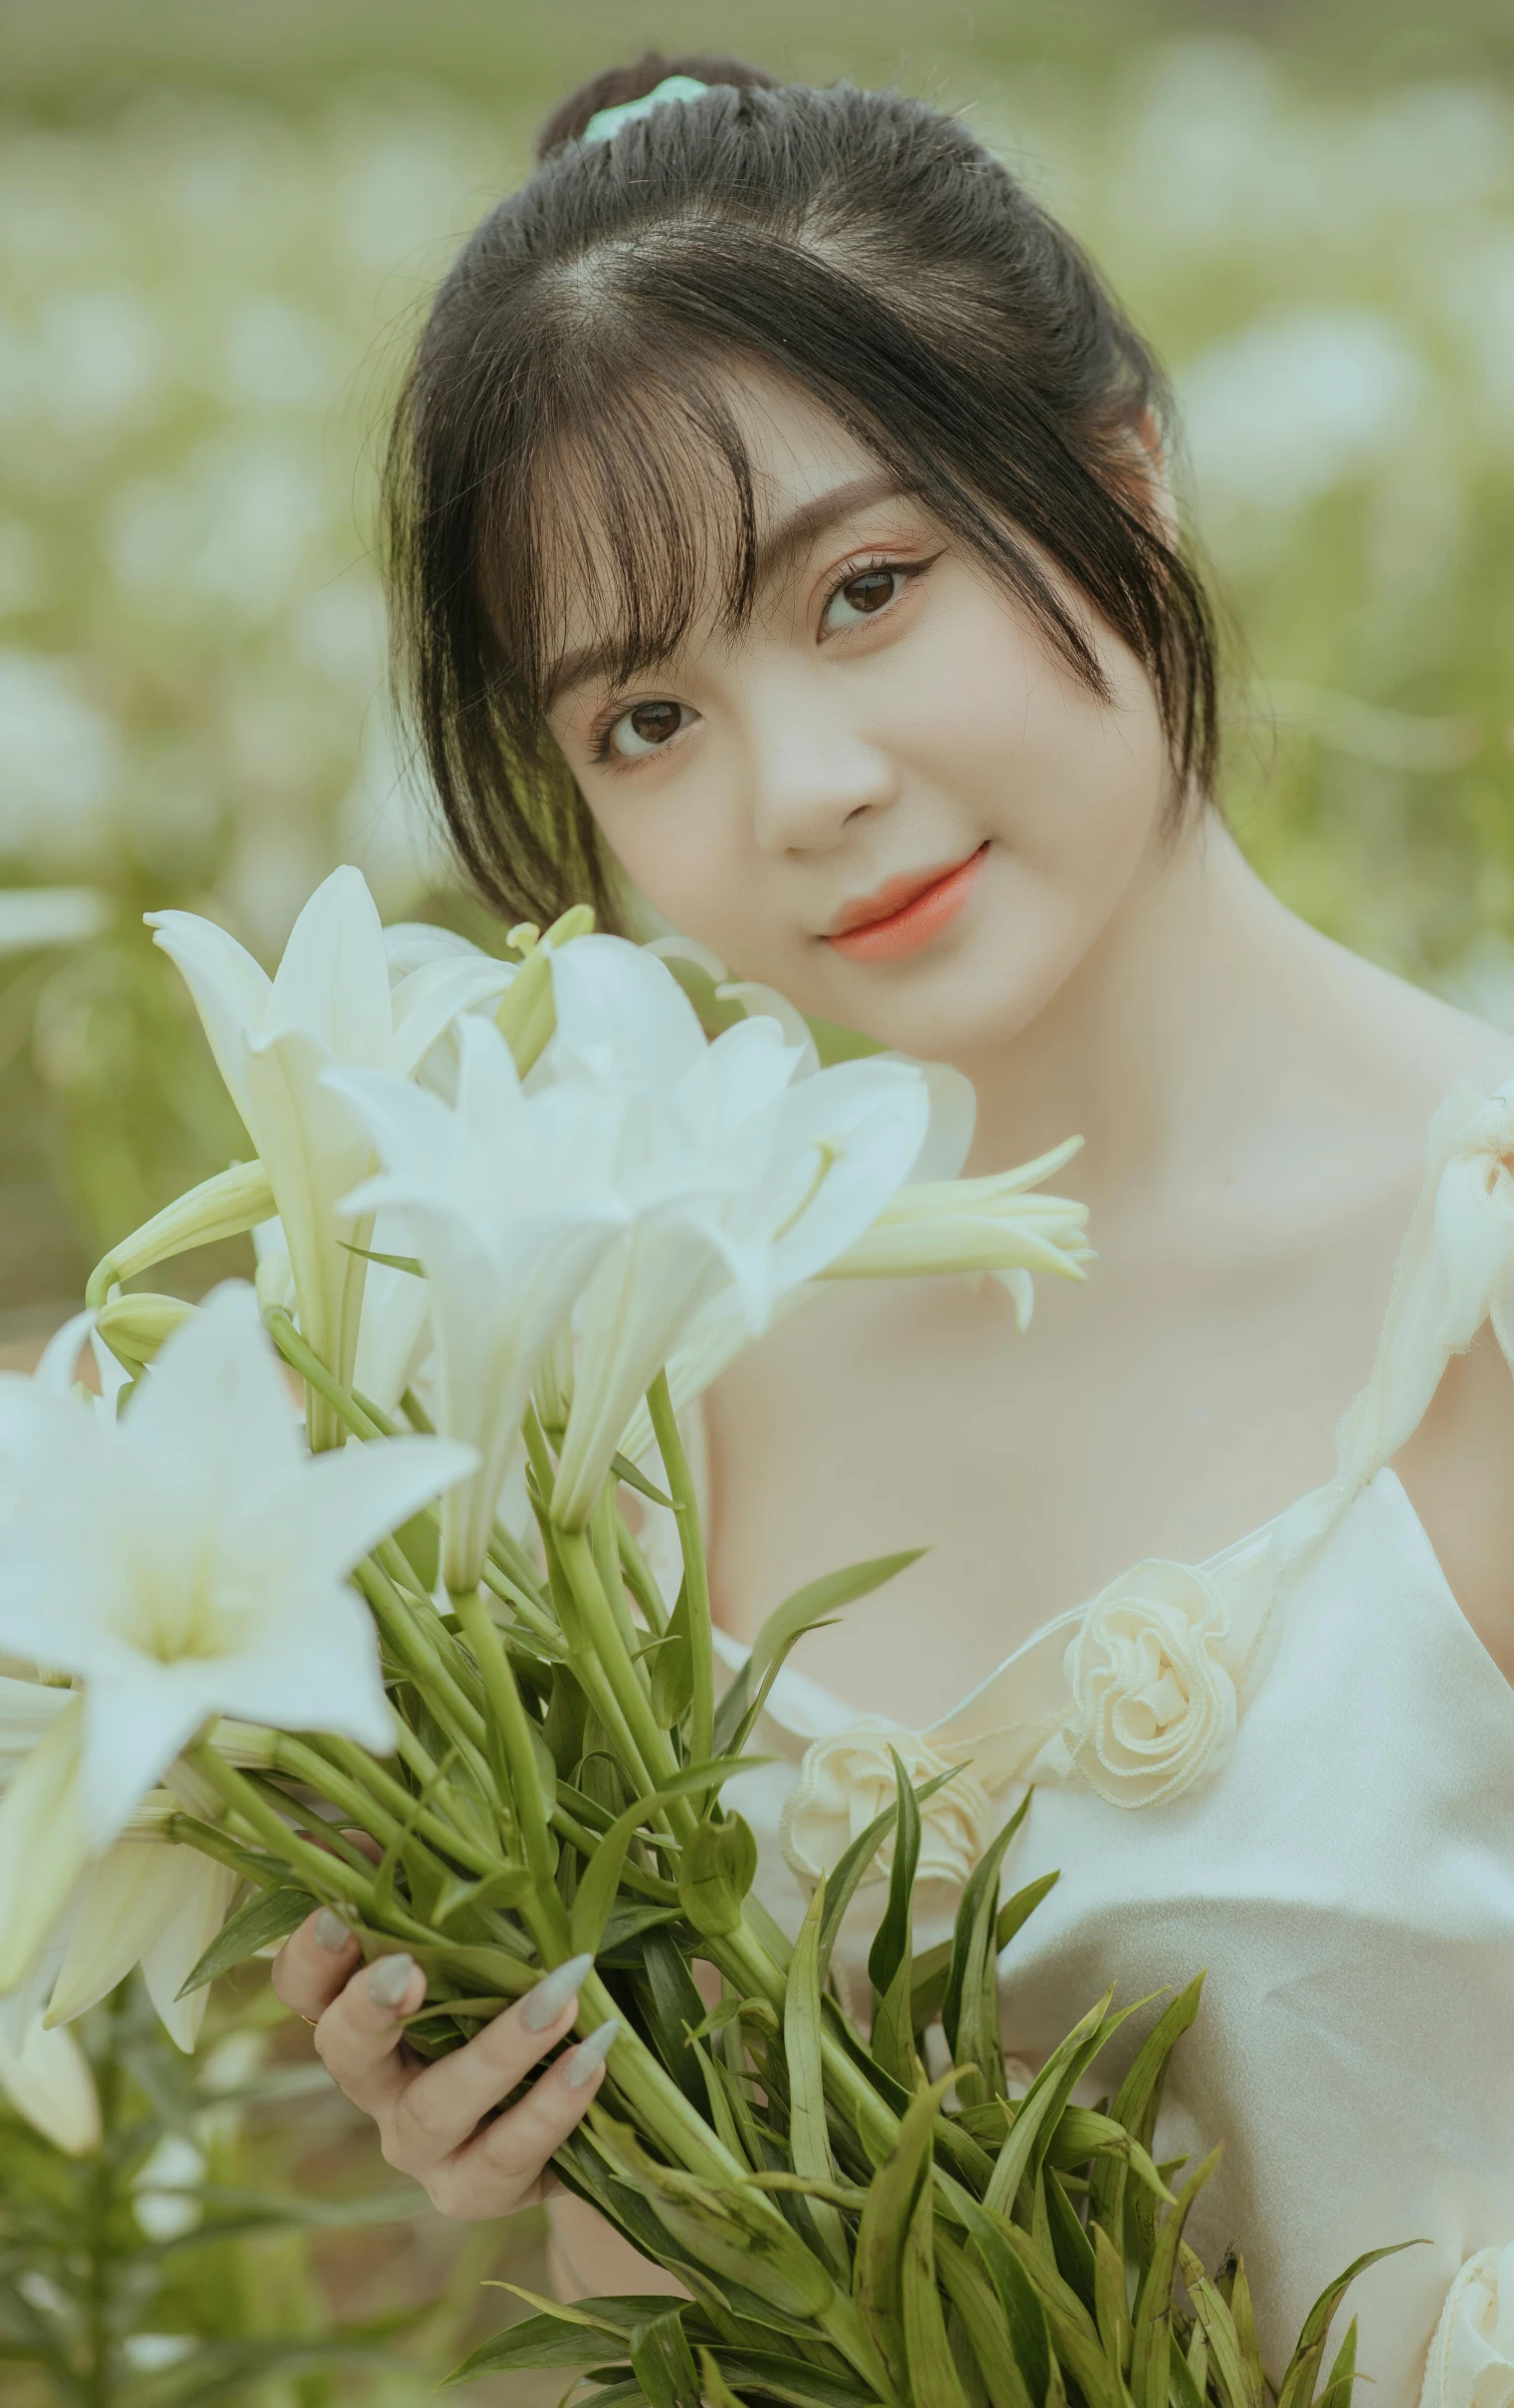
(566, 428)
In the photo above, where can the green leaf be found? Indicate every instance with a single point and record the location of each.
(585, 2333)
(673, 1671)
(1111, 2307)
(1137, 2100)
(988, 2329)
(822, 1597)
(891, 1944)
(1298, 2376)
(1151, 2353)
(1072, 2247)
(808, 2139)
(842, 1884)
(663, 2363)
(784, 2379)
(877, 2268)
(716, 1869)
(927, 2352)
(601, 1876)
(717, 2391)
(785, 1626)
(507, 1888)
(933, 1967)
(1240, 2384)
(1339, 2391)
(272, 1916)
(894, 2041)
(391, 1262)
(675, 2008)
(1041, 2108)
(623, 1469)
(976, 1911)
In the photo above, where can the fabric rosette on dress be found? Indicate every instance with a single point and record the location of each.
(1471, 2359)
(1155, 1674)
(847, 1779)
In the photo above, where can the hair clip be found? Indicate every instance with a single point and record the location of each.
(606, 123)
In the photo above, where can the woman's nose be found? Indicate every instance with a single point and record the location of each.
(812, 771)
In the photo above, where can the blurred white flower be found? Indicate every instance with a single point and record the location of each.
(60, 764)
(280, 356)
(234, 528)
(50, 916)
(1290, 407)
(47, 2078)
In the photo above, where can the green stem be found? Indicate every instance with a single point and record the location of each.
(325, 1874)
(637, 1572)
(375, 1800)
(513, 1727)
(605, 1645)
(664, 1423)
(99, 2218)
(342, 1409)
(422, 1658)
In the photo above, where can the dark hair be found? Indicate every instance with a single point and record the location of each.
(569, 406)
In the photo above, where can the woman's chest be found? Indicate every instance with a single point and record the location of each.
(1172, 1404)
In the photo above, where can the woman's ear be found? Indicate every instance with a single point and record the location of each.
(1151, 488)
(1138, 472)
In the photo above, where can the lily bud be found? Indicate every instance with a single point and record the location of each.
(525, 1018)
(222, 1207)
(716, 1869)
(135, 1326)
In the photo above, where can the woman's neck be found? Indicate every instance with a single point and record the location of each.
(1185, 1023)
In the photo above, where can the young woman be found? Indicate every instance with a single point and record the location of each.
(783, 535)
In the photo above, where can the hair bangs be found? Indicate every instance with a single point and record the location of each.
(638, 515)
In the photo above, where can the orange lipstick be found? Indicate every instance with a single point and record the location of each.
(905, 915)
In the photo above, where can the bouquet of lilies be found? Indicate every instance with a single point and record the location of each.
(346, 1555)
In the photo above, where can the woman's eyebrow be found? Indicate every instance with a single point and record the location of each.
(774, 552)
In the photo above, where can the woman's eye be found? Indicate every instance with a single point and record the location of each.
(644, 730)
(862, 597)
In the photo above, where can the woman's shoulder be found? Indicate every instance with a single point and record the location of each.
(1405, 1050)
(1435, 1073)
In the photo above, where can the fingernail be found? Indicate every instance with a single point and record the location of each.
(544, 2004)
(330, 1932)
(389, 1980)
(581, 2065)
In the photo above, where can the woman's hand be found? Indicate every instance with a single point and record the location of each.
(430, 2118)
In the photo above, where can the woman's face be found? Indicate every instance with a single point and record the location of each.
(882, 795)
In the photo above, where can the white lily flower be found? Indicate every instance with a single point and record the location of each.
(148, 1901)
(151, 1905)
(47, 2078)
(509, 1198)
(187, 1561)
(740, 1176)
(992, 1225)
(332, 1001)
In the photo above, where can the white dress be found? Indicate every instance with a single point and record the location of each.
(1292, 1765)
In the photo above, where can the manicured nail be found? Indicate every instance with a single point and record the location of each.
(581, 2065)
(389, 1980)
(330, 1932)
(544, 2004)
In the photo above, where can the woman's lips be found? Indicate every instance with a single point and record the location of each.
(914, 922)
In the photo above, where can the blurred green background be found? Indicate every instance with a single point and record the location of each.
(218, 223)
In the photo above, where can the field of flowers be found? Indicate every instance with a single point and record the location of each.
(206, 284)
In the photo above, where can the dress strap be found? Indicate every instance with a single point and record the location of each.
(1455, 1271)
